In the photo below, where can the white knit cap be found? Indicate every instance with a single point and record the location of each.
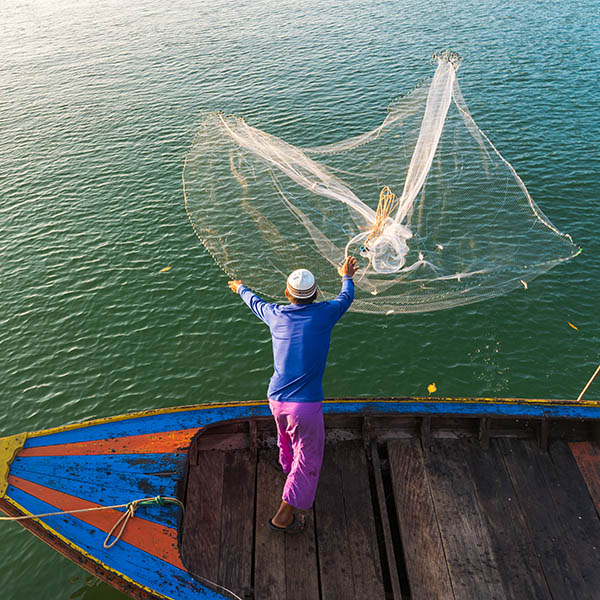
(301, 284)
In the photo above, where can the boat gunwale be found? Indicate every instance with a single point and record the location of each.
(427, 401)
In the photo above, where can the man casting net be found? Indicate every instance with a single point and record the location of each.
(435, 215)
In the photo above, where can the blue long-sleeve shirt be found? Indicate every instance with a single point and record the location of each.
(301, 335)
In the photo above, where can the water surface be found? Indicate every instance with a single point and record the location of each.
(99, 103)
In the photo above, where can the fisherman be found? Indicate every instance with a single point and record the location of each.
(301, 333)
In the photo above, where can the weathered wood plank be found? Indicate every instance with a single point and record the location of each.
(285, 565)
(223, 441)
(385, 524)
(543, 434)
(335, 564)
(484, 433)
(426, 432)
(201, 539)
(423, 551)
(587, 455)
(555, 548)
(237, 522)
(578, 513)
(469, 554)
(358, 510)
(269, 547)
(301, 570)
(518, 564)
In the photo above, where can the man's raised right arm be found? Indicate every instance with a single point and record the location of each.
(257, 305)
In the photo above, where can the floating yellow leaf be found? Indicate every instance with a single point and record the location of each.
(573, 326)
(431, 388)
(165, 269)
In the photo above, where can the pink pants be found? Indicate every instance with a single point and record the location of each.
(301, 440)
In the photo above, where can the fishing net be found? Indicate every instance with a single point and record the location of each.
(434, 214)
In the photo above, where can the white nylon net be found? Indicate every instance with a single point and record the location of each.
(456, 224)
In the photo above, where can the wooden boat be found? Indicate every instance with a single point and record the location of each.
(418, 498)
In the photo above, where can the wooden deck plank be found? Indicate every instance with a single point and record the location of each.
(469, 554)
(555, 548)
(301, 567)
(201, 540)
(423, 551)
(587, 455)
(385, 524)
(237, 521)
(578, 513)
(360, 522)
(285, 565)
(332, 534)
(518, 564)
(269, 557)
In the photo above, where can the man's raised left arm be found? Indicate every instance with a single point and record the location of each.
(346, 296)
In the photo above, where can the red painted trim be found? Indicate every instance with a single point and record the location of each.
(168, 441)
(150, 537)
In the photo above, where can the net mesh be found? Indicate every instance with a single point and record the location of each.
(434, 214)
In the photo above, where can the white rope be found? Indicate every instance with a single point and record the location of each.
(157, 499)
(587, 385)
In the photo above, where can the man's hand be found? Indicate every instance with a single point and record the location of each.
(349, 267)
(234, 286)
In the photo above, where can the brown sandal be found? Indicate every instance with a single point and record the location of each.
(296, 526)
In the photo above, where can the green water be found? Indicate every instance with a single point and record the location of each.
(99, 102)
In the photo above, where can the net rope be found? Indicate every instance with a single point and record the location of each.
(463, 227)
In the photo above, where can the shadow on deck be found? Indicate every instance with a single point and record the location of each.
(400, 514)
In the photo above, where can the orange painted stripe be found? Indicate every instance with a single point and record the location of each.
(166, 441)
(150, 537)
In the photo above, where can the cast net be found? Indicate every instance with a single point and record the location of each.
(434, 214)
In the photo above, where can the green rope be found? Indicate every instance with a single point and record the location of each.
(130, 513)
